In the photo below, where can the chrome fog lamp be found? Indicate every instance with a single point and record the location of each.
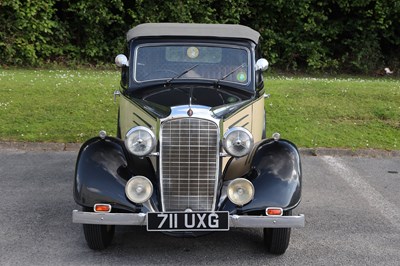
(140, 141)
(238, 142)
(139, 189)
(240, 191)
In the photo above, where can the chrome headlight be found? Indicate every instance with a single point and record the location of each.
(240, 191)
(140, 141)
(238, 142)
(138, 189)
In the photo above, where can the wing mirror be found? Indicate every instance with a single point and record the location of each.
(262, 64)
(121, 60)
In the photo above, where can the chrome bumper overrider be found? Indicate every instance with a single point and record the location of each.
(234, 220)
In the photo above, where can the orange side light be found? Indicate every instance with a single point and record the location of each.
(102, 208)
(274, 211)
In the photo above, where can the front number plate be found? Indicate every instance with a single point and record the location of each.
(187, 221)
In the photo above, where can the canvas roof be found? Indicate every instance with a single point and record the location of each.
(193, 30)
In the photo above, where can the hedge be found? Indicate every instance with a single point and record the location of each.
(358, 36)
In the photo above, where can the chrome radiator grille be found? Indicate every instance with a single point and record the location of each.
(189, 164)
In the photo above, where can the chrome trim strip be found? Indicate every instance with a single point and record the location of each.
(108, 218)
(199, 111)
(267, 221)
(234, 220)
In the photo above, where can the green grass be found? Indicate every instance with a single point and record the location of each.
(59, 105)
(73, 105)
(348, 112)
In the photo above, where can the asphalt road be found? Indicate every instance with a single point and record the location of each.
(351, 206)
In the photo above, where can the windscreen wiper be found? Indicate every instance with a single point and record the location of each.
(181, 74)
(230, 73)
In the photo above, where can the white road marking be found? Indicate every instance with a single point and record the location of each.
(372, 196)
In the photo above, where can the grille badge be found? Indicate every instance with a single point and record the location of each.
(190, 112)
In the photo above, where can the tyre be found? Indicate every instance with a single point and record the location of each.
(97, 236)
(276, 240)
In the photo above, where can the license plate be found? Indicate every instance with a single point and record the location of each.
(187, 221)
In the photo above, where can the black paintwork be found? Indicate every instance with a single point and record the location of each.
(104, 166)
(275, 172)
(102, 170)
(162, 98)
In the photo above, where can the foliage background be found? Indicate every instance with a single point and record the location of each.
(347, 36)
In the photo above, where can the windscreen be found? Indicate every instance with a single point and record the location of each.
(210, 62)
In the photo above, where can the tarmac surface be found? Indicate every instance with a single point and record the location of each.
(351, 204)
(49, 146)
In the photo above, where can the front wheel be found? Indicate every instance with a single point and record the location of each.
(276, 240)
(97, 236)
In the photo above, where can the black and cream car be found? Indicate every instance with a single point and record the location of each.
(190, 156)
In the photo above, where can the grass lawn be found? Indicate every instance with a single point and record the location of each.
(56, 105)
(73, 105)
(348, 112)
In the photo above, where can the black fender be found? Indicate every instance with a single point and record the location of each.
(102, 169)
(274, 168)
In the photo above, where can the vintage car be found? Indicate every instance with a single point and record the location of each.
(190, 156)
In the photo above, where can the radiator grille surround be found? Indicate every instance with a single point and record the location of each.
(189, 164)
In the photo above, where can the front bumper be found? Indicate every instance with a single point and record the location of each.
(234, 220)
